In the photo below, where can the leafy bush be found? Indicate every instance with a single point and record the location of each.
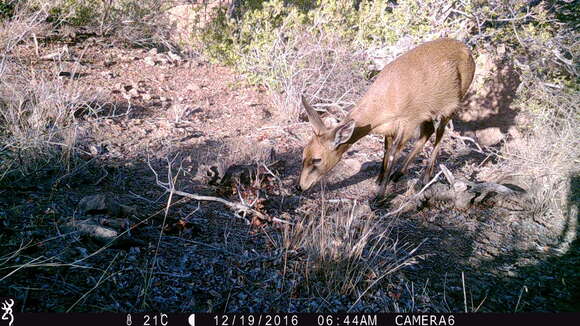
(6, 9)
(74, 12)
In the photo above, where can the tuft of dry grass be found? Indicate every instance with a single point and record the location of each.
(347, 249)
(23, 25)
(37, 117)
(140, 23)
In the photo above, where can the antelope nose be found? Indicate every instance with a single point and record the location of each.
(297, 187)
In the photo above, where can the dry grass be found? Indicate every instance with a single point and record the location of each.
(22, 26)
(315, 63)
(347, 250)
(140, 23)
(135, 22)
(37, 115)
(545, 160)
(39, 110)
(334, 249)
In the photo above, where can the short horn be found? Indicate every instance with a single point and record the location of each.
(313, 117)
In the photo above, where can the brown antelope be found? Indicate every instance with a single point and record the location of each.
(416, 94)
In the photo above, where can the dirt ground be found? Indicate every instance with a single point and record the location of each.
(158, 108)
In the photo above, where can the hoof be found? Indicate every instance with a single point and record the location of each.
(396, 176)
(378, 200)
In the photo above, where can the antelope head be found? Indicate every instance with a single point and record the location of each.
(324, 150)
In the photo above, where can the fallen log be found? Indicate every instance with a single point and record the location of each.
(463, 194)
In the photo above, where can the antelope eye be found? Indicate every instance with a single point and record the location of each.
(315, 161)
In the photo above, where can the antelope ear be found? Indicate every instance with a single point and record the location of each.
(342, 133)
(314, 118)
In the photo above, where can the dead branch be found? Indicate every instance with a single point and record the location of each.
(463, 194)
(236, 207)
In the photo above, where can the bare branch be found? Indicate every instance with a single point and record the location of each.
(236, 207)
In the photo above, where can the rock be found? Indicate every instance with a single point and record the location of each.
(96, 204)
(149, 61)
(176, 112)
(134, 92)
(353, 164)
(92, 229)
(174, 56)
(109, 63)
(193, 87)
(96, 150)
(109, 74)
(163, 59)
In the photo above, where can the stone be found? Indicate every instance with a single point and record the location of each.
(149, 61)
(101, 203)
(174, 56)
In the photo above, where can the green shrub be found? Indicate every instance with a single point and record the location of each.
(74, 12)
(6, 9)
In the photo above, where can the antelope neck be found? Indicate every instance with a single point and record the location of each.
(358, 133)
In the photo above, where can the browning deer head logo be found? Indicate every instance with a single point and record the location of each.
(7, 307)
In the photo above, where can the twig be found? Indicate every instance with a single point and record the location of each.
(101, 178)
(35, 45)
(448, 175)
(520, 297)
(272, 173)
(415, 195)
(464, 295)
(232, 205)
(283, 127)
(470, 140)
(515, 30)
(339, 200)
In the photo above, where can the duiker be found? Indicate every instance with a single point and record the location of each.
(416, 94)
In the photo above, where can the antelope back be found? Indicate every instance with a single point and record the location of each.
(423, 84)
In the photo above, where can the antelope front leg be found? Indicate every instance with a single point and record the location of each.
(436, 147)
(427, 129)
(387, 144)
(388, 161)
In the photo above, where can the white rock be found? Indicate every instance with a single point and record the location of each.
(149, 61)
(174, 56)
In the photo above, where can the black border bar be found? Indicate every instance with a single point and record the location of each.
(289, 319)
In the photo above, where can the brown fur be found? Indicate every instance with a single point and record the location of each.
(417, 92)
